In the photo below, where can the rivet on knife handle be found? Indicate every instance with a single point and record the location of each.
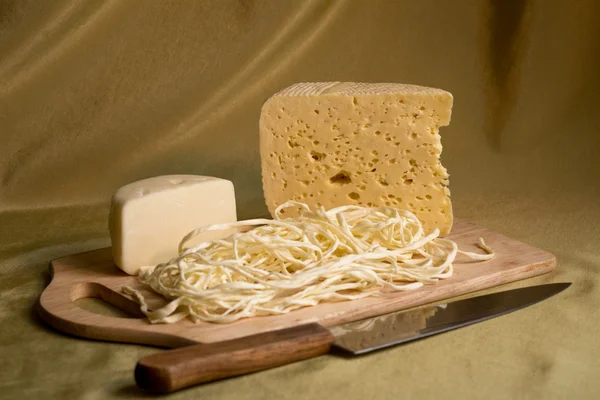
(177, 369)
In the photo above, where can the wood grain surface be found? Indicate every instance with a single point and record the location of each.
(93, 274)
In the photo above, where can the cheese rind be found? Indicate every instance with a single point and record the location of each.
(149, 218)
(335, 143)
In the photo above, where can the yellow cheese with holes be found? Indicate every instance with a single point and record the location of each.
(149, 218)
(335, 143)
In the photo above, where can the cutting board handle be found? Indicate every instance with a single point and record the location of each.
(177, 369)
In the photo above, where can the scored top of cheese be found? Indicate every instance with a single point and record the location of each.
(357, 89)
(374, 144)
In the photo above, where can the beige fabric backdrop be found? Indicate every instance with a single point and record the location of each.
(96, 94)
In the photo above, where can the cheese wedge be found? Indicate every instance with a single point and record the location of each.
(334, 143)
(149, 218)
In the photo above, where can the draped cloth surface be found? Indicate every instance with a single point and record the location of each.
(96, 94)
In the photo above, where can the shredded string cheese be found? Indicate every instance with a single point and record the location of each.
(280, 265)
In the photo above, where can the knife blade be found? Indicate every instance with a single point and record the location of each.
(180, 368)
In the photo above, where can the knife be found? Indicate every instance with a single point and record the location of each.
(187, 366)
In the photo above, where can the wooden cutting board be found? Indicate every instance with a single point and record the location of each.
(93, 274)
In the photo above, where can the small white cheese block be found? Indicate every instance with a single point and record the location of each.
(149, 218)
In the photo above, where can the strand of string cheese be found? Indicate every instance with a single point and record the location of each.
(280, 265)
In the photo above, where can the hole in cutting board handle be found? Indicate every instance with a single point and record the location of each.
(101, 307)
(99, 299)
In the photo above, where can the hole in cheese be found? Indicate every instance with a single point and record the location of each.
(341, 178)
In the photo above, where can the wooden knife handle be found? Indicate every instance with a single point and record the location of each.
(187, 366)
